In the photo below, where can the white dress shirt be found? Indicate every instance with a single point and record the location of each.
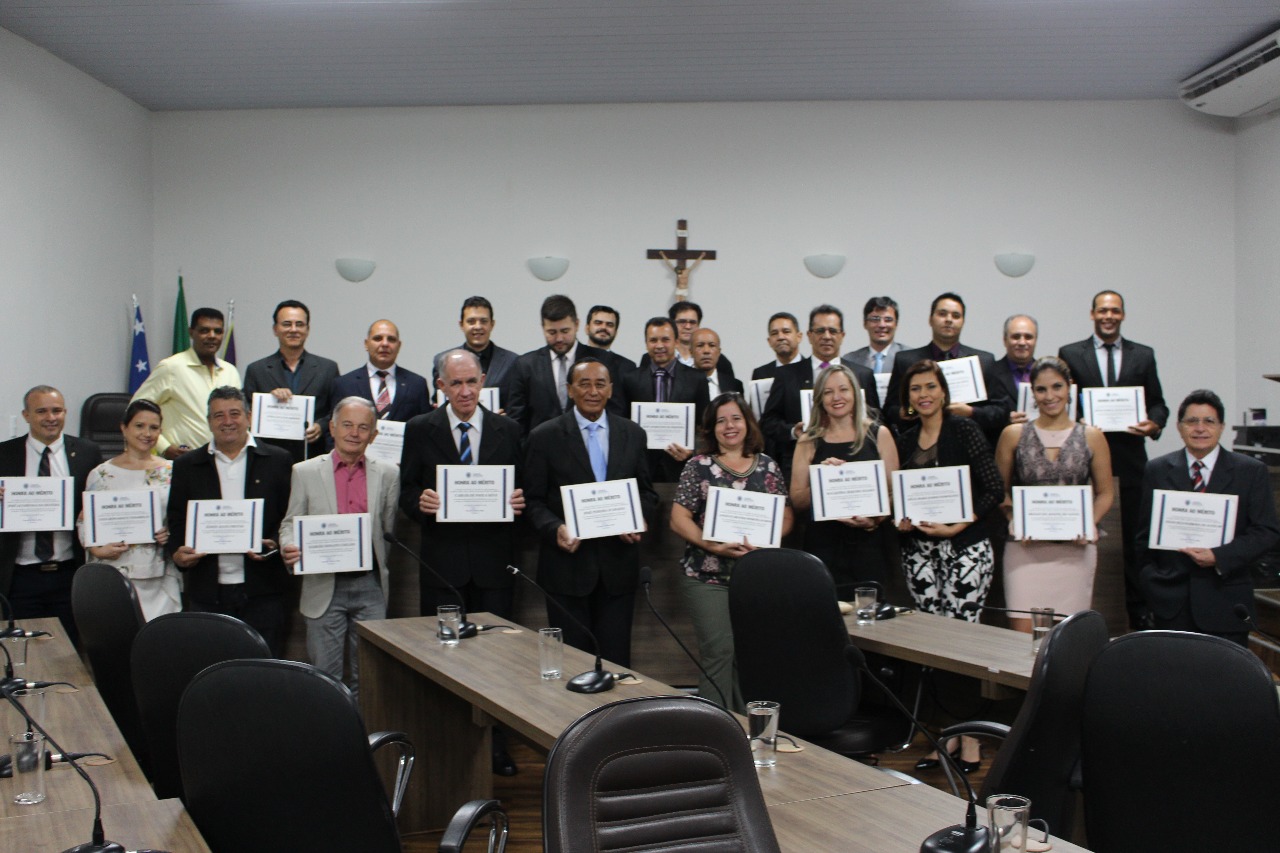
(1100, 351)
(231, 477)
(58, 467)
(473, 434)
(375, 381)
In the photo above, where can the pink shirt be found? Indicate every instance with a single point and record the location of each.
(351, 484)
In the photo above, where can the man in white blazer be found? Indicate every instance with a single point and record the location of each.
(341, 482)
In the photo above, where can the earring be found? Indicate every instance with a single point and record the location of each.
(911, 410)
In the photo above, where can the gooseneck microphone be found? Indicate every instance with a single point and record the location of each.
(465, 628)
(12, 629)
(972, 606)
(967, 838)
(1242, 613)
(646, 578)
(595, 680)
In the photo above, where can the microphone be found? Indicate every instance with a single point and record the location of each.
(646, 578)
(11, 630)
(594, 680)
(465, 629)
(969, 838)
(306, 445)
(971, 606)
(50, 759)
(1242, 613)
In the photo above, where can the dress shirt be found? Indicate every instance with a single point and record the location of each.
(473, 434)
(485, 355)
(817, 364)
(1100, 350)
(939, 354)
(375, 382)
(568, 360)
(180, 386)
(58, 467)
(1210, 459)
(668, 384)
(602, 435)
(292, 375)
(713, 384)
(1021, 373)
(350, 485)
(231, 476)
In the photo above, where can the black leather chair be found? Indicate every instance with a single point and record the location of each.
(168, 653)
(670, 773)
(791, 643)
(1180, 745)
(100, 421)
(1040, 754)
(108, 616)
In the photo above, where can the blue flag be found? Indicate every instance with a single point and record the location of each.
(139, 363)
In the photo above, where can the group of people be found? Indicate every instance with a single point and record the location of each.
(563, 418)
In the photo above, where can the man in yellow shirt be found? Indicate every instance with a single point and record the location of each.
(181, 383)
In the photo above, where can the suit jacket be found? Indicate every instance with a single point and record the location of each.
(1137, 367)
(557, 456)
(499, 375)
(315, 378)
(688, 385)
(728, 383)
(82, 457)
(413, 397)
(312, 492)
(782, 409)
(1170, 579)
(1002, 383)
(476, 552)
(863, 356)
(195, 477)
(991, 414)
(534, 399)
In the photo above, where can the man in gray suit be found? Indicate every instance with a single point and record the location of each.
(292, 370)
(339, 483)
(880, 319)
(497, 364)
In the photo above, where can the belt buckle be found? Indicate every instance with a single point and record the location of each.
(51, 566)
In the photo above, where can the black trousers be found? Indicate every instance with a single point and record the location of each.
(1135, 601)
(37, 594)
(263, 613)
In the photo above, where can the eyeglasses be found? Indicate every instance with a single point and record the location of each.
(1195, 422)
(826, 331)
(686, 322)
(875, 318)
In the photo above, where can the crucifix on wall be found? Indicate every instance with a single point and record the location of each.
(677, 259)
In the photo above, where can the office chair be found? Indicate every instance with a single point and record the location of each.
(666, 772)
(1180, 743)
(100, 421)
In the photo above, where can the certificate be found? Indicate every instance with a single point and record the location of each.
(1114, 409)
(665, 423)
(595, 510)
(854, 488)
(737, 514)
(1027, 401)
(388, 443)
(224, 527)
(758, 394)
(489, 398)
(964, 379)
(1052, 513)
(273, 419)
(333, 543)
(131, 516)
(1191, 519)
(940, 495)
(37, 503)
(475, 492)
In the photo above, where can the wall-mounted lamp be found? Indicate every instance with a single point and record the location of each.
(1015, 264)
(354, 269)
(824, 266)
(548, 268)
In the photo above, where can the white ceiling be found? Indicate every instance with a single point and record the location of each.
(233, 54)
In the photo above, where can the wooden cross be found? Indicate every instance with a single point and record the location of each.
(678, 257)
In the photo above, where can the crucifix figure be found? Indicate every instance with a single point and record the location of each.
(677, 259)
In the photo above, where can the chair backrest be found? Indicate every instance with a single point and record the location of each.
(789, 640)
(168, 653)
(1040, 754)
(108, 617)
(1180, 745)
(274, 756)
(667, 772)
(100, 420)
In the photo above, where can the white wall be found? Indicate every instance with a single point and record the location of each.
(76, 237)
(1258, 263)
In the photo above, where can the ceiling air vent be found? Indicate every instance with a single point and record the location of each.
(1247, 83)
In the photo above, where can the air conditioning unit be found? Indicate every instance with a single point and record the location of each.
(1247, 83)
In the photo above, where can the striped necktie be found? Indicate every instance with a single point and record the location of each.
(384, 394)
(464, 443)
(1198, 482)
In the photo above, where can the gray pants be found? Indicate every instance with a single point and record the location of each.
(355, 599)
(709, 608)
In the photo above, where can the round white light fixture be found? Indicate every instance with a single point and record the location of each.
(548, 268)
(824, 266)
(1015, 264)
(354, 269)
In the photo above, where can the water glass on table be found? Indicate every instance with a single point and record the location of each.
(551, 653)
(1007, 816)
(1041, 625)
(26, 753)
(450, 618)
(864, 604)
(762, 729)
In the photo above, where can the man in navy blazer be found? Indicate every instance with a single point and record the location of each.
(683, 384)
(496, 364)
(398, 394)
(1133, 365)
(595, 579)
(784, 339)
(1021, 331)
(1198, 589)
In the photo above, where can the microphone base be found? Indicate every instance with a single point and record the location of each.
(957, 839)
(467, 630)
(592, 681)
(104, 847)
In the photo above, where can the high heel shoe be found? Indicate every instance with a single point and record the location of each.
(927, 763)
(968, 767)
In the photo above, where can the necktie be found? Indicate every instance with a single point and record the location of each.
(660, 385)
(595, 452)
(384, 394)
(1111, 364)
(464, 443)
(44, 539)
(1198, 483)
(562, 390)
(879, 366)
(824, 365)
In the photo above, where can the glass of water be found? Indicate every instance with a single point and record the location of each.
(864, 604)
(1041, 625)
(762, 728)
(450, 618)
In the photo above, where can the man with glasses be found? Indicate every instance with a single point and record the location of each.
(880, 319)
(1199, 589)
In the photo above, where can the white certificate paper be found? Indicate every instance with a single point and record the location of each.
(941, 495)
(333, 543)
(1027, 401)
(273, 419)
(1052, 513)
(737, 514)
(854, 488)
(758, 395)
(595, 510)
(224, 527)
(665, 423)
(475, 492)
(1191, 519)
(1114, 409)
(388, 443)
(964, 379)
(37, 503)
(132, 516)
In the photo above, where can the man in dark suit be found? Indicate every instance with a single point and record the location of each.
(36, 569)
(595, 579)
(248, 586)
(1014, 370)
(781, 419)
(496, 364)
(1107, 359)
(1198, 589)
(706, 358)
(602, 329)
(946, 320)
(292, 370)
(539, 391)
(663, 379)
(398, 394)
(784, 340)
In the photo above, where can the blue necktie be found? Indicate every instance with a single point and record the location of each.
(879, 368)
(595, 452)
(464, 443)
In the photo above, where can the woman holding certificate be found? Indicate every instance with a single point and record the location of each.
(137, 469)
(733, 460)
(855, 547)
(1053, 451)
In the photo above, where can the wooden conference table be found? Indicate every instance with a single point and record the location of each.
(156, 825)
